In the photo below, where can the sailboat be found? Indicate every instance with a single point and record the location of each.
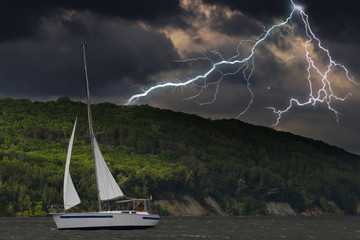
(135, 213)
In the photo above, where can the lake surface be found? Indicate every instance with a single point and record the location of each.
(189, 228)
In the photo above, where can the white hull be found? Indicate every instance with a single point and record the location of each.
(105, 220)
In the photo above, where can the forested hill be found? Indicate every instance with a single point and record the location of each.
(167, 154)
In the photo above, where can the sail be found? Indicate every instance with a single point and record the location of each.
(107, 186)
(71, 198)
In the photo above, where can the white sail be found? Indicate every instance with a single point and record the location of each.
(71, 197)
(107, 186)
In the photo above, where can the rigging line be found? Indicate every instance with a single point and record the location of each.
(82, 85)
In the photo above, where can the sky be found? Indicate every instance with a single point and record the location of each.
(133, 45)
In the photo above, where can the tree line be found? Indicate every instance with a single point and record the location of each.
(166, 154)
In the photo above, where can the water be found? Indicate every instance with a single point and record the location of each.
(191, 228)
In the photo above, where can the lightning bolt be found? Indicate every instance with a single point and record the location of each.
(246, 66)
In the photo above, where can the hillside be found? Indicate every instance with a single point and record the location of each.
(167, 154)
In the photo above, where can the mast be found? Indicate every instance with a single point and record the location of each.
(91, 130)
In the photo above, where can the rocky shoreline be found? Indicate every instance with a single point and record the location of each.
(188, 206)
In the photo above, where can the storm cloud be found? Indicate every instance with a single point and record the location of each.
(22, 19)
(133, 45)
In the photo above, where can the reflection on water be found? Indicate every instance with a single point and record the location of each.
(196, 228)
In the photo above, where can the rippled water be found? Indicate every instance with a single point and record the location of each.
(196, 228)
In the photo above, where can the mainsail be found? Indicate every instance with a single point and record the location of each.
(108, 188)
(71, 197)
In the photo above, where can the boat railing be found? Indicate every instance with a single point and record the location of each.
(134, 205)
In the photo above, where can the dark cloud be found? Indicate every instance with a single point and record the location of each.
(334, 20)
(117, 52)
(258, 9)
(236, 25)
(21, 18)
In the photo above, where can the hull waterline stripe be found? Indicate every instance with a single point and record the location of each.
(106, 216)
(112, 227)
(151, 218)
